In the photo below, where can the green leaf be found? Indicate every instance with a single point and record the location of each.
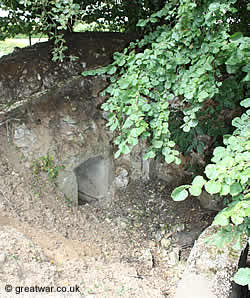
(186, 128)
(177, 160)
(242, 276)
(180, 193)
(225, 189)
(157, 144)
(169, 158)
(236, 36)
(246, 68)
(202, 96)
(245, 103)
(235, 189)
(146, 107)
(111, 70)
(124, 83)
(171, 144)
(128, 123)
(117, 154)
(135, 132)
(211, 171)
(246, 78)
(219, 153)
(199, 181)
(142, 23)
(221, 219)
(213, 187)
(132, 141)
(125, 149)
(237, 220)
(150, 154)
(195, 190)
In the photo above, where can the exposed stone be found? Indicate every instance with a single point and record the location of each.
(174, 256)
(210, 202)
(122, 222)
(30, 69)
(24, 137)
(209, 268)
(185, 238)
(121, 177)
(146, 258)
(178, 228)
(158, 235)
(165, 243)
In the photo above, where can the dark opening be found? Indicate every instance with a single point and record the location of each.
(93, 177)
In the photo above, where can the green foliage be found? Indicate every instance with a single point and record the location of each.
(242, 277)
(229, 234)
(182, 65)
(181, 80)
(46, 164)
(229, 174)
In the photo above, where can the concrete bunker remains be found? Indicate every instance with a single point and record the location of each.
(94, 179)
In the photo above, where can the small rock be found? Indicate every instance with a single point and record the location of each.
(158, 235)
(27, 165)
(122, 222)
(165, 243)
(174, 256)
(178, 228)
(3, 258)
(121, 179)
(69, 120)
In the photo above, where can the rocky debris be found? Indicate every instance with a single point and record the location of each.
(121, 177)
(117, 237)
(26, 266)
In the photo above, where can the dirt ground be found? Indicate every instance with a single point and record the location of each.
(133, 246)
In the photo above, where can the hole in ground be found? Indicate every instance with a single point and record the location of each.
(93, 179)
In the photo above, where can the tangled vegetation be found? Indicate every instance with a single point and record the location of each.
(182, 87)
(193, 64)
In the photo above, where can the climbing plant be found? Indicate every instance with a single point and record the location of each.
(228, 175)
(185, 79)
(185, 64)
(193, 68)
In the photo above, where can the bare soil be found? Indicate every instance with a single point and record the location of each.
(133, 246)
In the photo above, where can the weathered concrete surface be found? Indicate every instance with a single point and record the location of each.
(209, 272)
(58, 111)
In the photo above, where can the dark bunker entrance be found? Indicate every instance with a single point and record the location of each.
(94, 178)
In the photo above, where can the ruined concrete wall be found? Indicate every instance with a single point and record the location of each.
(58, 112)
